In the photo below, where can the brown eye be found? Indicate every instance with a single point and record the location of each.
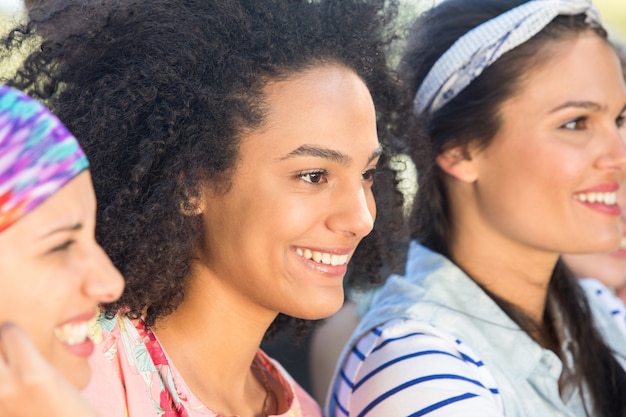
(576, 124)
(369, 175)
(314, 177)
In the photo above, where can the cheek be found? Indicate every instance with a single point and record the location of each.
(22, 295)
(290, 213)
(36, 323)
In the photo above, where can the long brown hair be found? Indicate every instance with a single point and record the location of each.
(473, 117)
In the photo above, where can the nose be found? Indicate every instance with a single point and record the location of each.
(615, 158)
(104, 283)
(353, 212)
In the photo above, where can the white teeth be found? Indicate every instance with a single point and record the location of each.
(609, 198)
(623, 243)
(323, 257)
(72, 334)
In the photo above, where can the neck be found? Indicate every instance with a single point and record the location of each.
(212, 338)
(516, 274)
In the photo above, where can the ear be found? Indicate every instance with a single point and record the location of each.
(193, 205)
(191, 208)
(458, 163)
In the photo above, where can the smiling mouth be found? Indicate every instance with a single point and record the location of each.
(607, 198)
(323, 257)
(72, 333)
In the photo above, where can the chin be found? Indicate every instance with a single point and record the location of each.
(322, 310)
(77, 372)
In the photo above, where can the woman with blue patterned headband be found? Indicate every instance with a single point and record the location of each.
(522, 158)
(53, 274)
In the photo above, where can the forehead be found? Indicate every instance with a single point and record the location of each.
(73, 203)
(581, 67)
(315, 84)
(328, 104)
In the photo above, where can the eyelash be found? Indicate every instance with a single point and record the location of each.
(62, 247)
(316, 173)
(367, 176)
(619, 122)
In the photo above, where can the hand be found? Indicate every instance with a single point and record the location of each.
(29, 385)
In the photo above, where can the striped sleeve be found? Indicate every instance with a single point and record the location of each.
(408, 368)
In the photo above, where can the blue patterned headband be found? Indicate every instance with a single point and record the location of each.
(471, 54)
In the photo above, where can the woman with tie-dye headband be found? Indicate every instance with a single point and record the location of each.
(53, 274)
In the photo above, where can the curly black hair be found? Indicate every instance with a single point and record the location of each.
(159, 94)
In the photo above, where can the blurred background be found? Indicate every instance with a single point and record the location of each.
(613, 12)
(614, 15)
(10, 9)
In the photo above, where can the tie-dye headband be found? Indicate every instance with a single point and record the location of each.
(38, 155)
(471, 54)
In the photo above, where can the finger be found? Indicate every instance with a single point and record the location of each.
(20, 356)
(29, 386)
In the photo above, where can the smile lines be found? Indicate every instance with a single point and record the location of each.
(323, 257)
(608, 198)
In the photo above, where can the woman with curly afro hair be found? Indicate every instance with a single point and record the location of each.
(234, 145)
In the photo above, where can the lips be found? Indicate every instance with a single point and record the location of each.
(601, 198)
(74, 335)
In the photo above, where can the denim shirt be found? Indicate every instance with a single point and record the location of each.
(437, 292)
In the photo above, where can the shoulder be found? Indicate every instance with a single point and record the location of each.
(406, 367)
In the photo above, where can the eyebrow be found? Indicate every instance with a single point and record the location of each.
(587, 105)
(326, 153)
(72, 228)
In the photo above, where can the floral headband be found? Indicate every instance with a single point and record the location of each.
(472, 53)
(38, 155)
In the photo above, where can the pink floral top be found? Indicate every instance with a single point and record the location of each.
(133, 377)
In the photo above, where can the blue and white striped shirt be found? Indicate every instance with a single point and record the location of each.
(434, 344)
